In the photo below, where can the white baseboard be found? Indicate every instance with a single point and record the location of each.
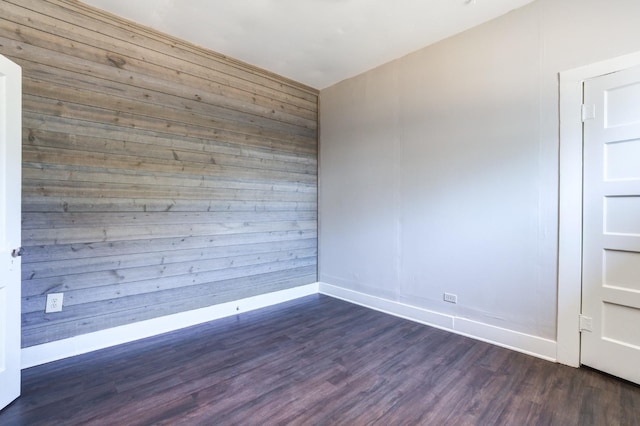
(65, 348)
(514, 340)
(60, 349)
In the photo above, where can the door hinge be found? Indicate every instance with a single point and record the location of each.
(586, 323)
(588, 112)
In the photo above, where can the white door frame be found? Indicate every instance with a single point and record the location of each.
(570, 219)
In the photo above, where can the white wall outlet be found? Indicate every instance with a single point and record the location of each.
(451, 298)
(54, 302)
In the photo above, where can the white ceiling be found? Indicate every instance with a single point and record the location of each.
(316, 42)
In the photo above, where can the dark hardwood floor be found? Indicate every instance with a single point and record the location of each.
(317, 361)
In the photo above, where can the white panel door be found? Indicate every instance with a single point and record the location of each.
(611, 225)
(10, 206)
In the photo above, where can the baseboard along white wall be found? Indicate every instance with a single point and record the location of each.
(510, 339)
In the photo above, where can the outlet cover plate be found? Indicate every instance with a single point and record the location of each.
(54, 302)
(451, 298)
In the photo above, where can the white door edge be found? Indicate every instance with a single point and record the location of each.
(10, 239)
(570, 202)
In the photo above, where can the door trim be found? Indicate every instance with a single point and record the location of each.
(570, 202)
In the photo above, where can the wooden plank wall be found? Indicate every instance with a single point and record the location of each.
(158, 177)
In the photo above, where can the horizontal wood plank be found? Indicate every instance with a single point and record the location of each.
(116, 232)
(97, 144)
(79, 251)
(240, 148)
(44, 204)
(86, 265)
(127, 119)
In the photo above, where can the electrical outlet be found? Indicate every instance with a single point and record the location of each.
(54, 302)
(451, 298)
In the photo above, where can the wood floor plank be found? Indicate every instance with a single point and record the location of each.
(321, 361)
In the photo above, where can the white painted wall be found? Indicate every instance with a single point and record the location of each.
(439, 171)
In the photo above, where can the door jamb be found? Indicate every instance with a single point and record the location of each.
(570, 202)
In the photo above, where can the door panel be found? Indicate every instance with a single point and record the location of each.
(10, 204)
(621, 160)
(611, 225)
